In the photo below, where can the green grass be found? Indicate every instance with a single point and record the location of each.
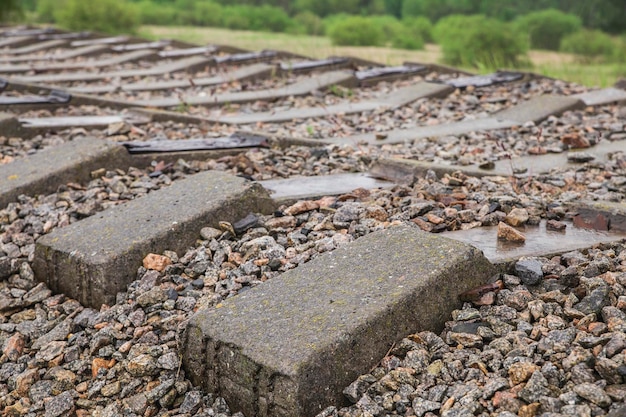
(551, 64)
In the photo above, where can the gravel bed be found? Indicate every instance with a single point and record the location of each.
(550, 343)
(574, 129)
(59, 357)
(470, 103)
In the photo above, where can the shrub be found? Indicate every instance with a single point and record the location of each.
(198, 13)
(157, 14)
(309, 23)
(589, 45)
(397, 34)
(263, 18)
(356, 31)
(546, 28)
(476, 41)
(45, 10)
(109, 16)
(419, 26)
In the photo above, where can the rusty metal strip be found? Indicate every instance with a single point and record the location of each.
(174, 53)
(383, 72)
(142, 45)
(246, 57)
(234, 141)
(310, 65)
(54, 97)
(485, 80)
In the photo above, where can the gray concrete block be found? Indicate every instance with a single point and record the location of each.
(94, 259)
(9, 125)
(47, 78)
(602, 97)
(446, 129)
(540, 108)
(44, 171)
(304, 87)
(398, 98)
(289, 346)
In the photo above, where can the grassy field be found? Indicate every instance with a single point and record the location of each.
(552, 64)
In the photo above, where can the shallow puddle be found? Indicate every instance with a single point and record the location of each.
(539, 241)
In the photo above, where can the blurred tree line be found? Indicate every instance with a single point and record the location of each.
(471, 33)
(606, 15)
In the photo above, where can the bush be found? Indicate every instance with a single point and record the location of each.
(419, 26)
(197, 13)
(546, 28)
(476, 41)
(397, 34)
(109, 16)
(589, 45)
(153, 14)
(309, 23)
(263, 18)
(356, 31)
(45, 10)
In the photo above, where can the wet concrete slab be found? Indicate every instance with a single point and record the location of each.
(94, 259)
(540, 108)
(290, 346)
(539, 241)
(48, 78)
(407, 135)
(602, 97)
(304, 87)
(301, 188)
(398, 98)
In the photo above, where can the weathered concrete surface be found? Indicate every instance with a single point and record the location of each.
(68, 54)
(44, 171)
(16, 41)
(322, 81)
(252, 72)
(446, 129)
(92, 260)
(64, 66)
(295, 188)
(289, 346)
(405, 170)
(602, 97)
(35, 47)
(187, 64)
(9, 125)
(538, 164)
(540, 108)
(392, 100)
